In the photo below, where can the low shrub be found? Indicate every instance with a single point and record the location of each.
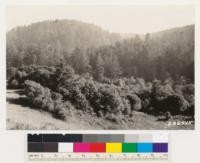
(135, 102)
(57, 89)
(13, 84)
(47, 100)
(176, 104)
(145, 97)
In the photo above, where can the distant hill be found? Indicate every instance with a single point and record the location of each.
(68, 34)
(65, 33)
(181, 37)
(86, 46)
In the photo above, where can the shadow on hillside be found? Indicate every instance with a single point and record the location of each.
(23, 101)
(18, 91)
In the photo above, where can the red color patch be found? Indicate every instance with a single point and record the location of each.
(97, 147)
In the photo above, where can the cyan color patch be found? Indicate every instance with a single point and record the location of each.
(145, 147)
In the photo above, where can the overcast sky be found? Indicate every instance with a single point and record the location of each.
(122, 19)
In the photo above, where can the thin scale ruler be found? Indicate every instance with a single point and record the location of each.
(95, 156)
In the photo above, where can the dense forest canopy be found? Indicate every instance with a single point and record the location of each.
(89, 49)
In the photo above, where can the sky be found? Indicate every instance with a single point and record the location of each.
(138, 19)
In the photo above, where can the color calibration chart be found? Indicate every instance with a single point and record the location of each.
(141, 148)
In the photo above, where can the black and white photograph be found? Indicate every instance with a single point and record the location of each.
(106, 67)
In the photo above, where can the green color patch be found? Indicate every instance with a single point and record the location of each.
(129, 147)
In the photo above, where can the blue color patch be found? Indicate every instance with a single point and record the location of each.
(145, 147)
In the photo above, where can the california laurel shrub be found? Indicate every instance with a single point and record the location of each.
(43, 98)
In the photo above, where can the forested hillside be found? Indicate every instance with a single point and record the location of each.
(63, 66)
(88, 48)
(48, 42)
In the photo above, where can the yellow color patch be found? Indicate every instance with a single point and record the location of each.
(113, 147)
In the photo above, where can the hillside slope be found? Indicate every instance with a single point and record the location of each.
(85, 47)
(20, 116)
(181, 37)
(63, 36)
(65, 33)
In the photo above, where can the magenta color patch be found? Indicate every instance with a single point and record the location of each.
(81, 147)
